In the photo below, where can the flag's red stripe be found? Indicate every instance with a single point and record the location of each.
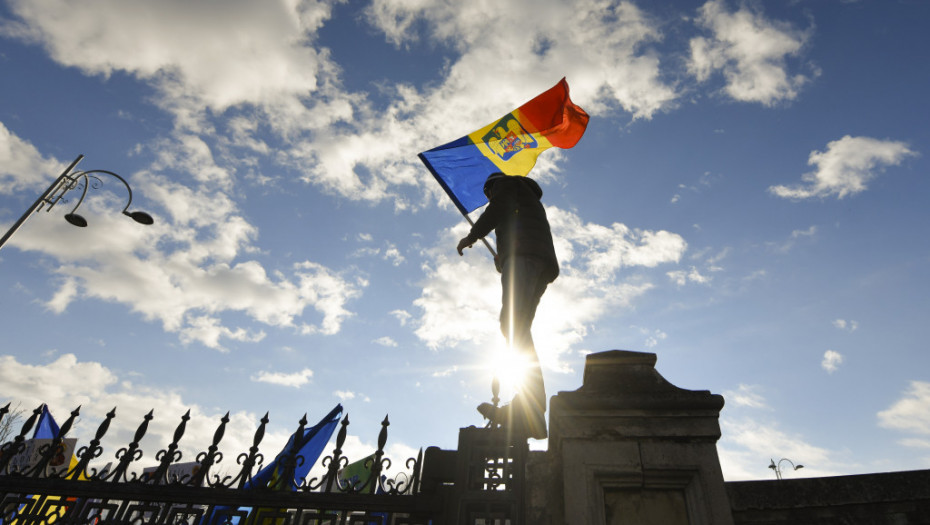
(554, 115)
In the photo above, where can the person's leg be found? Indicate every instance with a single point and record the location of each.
(523, 286)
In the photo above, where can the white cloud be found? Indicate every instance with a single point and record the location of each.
(831, 361)
(293, 379)
(750, 442)
(188, 285)
(402, 316)
(344, 395)
(23, 167)
(681, 277)
(385, 341)
(745, 395)
(446, 372)
(218, 53)
(911, 413)
(600, 46)
(461, 295)
(67, 383)
(843, 324)
(845, 167)
(653, 337)
(748, 445)
(804, 233)
(185, 270)
(792, 240)
(392, 254)
(750, 51)
(231, 70)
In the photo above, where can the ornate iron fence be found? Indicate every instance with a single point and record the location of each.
(48, 491)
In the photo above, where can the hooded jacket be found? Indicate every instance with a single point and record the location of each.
(519, 221)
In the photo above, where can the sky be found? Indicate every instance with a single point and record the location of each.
(748, 203)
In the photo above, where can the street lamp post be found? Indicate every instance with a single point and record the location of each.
(777, 466)
(66, 182)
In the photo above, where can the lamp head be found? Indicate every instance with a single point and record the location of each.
(140, 216)
(76, 220)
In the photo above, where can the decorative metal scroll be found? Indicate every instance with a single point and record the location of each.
(44, 491)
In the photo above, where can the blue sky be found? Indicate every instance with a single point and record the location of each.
(748, 202)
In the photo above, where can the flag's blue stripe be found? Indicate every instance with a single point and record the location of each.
(461, 169)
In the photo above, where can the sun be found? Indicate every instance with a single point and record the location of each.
(509, 367)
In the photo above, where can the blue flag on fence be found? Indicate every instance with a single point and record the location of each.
(310, 446)
(46, 428)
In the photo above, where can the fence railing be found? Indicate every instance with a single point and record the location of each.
(49, 490)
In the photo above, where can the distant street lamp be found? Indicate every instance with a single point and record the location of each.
(66, 182)
(777, 467)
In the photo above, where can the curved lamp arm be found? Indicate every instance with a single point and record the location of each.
(66, 182)
(139, 216)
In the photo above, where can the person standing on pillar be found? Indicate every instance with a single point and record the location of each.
(527, 262)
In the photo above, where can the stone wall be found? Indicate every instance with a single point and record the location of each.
(628, 447)
(893, 498)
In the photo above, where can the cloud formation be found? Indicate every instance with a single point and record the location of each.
(293, 379)
(831, 361)
(461, 295)
(750, 51)
(751, 440)
(843, 324)
(187, 269)
(67, 382)
(911, 413)
(22, 166)
(262, 69)
(213, 53)
(845, 168)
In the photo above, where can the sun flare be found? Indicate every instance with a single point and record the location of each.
(509, 367)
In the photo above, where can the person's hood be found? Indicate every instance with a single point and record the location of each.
(526, 180)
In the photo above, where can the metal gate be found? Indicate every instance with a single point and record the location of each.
(480, 484)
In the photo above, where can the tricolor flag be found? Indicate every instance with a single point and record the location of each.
(509, 145)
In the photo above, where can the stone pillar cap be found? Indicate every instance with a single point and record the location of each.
(630, 379)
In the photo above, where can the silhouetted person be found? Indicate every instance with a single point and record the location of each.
(527, 262)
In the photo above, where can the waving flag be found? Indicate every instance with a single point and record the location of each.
(310, 446)
(509, 145)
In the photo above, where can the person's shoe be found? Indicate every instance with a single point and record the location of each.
(517, 417)
(490, 412)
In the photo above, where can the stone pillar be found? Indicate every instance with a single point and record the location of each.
(631, 448)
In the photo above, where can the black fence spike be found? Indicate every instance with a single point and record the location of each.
(169, 455)
(116, 501)
(291, 460)
(11, 449)
(132, 452)
(374, 481)
(92, 450)
(211, 456)
(336, 461)
(249, 460)
(54, 449)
